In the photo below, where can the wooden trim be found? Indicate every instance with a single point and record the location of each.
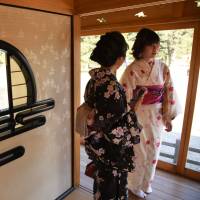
(57, 6)
(192, 174)
(171, 169)
(102, 7)
(166, 166)
(77, 69)
(189, 108)
(190, 101)
(191, 91)
(66, 193)
(162, 24)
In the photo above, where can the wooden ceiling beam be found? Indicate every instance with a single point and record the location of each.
(58, 6)
(135, 26)
(94, 7)
(162, 14)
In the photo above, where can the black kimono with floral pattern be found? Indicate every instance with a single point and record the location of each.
(110, 142)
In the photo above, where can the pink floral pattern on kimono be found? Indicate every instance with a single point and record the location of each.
(152, 115)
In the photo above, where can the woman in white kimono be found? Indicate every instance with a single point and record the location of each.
(155, 111)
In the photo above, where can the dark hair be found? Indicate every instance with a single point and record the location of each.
(110, 46)
(144, 38)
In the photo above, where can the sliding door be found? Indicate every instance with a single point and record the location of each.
(180, 151)
(44, 171)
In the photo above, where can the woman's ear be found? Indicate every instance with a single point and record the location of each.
(122, 58)
(120, 61)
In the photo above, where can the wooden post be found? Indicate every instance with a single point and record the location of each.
(76, 73)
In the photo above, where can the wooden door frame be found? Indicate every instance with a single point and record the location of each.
(191, 91)
(190, 106)
(76, 76)
(190, 98)
(190, 101)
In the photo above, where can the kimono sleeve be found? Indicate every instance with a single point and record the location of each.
(111, 116)
(171, 106)
(89, 95)
(128, 81)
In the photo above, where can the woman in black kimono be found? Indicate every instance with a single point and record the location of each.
(110, 142)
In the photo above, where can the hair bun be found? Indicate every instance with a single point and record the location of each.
(110, 46)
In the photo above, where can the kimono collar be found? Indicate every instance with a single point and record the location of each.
(100, 73)
(144, 62)
(144, 65)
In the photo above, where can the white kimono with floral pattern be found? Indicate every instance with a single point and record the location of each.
(151, 116)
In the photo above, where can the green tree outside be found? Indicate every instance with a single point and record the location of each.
(175, 44)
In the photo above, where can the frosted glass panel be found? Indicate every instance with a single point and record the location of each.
(3, 81)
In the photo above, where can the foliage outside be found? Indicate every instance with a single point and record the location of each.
(175, 44)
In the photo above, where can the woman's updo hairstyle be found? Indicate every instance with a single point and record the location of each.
(144, 38)
(110, 46)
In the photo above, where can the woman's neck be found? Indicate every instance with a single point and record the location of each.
(112, 69)
(149, 60)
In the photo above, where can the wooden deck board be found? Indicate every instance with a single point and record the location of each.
(166, 186)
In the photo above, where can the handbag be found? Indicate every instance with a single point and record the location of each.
(81, 119)
(90, 169)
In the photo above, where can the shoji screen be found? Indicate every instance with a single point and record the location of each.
(44, 172)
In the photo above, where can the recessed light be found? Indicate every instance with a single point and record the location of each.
(140, 14)
(101, 20)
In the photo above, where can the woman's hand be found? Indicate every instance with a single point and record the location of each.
(137, 98)
(135, 105)
(90, 118)
(168, 126)
(82, 140)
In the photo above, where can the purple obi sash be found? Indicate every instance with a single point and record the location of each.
(154, 94)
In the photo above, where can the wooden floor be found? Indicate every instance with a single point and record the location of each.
(79, 194)
(165, 186)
